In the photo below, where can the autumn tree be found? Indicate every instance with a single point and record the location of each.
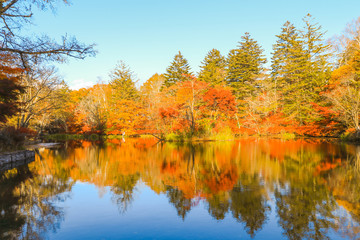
(178, 71)
(347, 43)
(189, 100)
(10, 87)
(54, 119)
(151, 97)
(213, 68)
(344, 92)
(41, 93)
(125, 113)
(245, 64)
(218, 108)
(94, 108)
(150, 90)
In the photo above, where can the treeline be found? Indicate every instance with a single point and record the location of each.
(309, 87)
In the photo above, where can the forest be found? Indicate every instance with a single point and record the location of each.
(309, 87)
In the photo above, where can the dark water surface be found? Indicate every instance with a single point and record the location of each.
(138, 189)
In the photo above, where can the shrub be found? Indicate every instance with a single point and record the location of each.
(225, 134)
(11, 138)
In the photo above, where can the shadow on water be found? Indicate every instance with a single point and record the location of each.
(311, 186)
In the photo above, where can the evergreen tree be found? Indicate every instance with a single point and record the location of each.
(317, 56)
(123, 83)
(288, 72)
(245, 64)
(178, 71)
(299, 69)
(213, 68)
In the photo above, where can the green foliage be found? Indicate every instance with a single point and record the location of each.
(178, 71)
(123, 83)
(299, 69)
(245, 64)
(174, 137)
(213, 68)
(287, 136)
(67, 137)
(225, 134)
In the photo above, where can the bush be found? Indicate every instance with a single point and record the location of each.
(350, 136)
(287, 136)
(173, 137)
(11, 138)
(225, 134)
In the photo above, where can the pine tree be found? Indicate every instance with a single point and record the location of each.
(288, 71)
(245, 64)
(178, 71)
(123, 83)
(213, 68)
(317, 56)
(300, 69)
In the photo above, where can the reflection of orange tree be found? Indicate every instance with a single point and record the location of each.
(229, 176)
(344, 184)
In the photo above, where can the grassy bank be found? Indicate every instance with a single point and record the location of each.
(173, 137)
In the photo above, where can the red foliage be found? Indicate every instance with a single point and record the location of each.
(169, 112)
(220, 99)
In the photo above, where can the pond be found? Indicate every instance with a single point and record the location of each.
(141, 189)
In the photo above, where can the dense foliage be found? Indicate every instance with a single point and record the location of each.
(310, 87)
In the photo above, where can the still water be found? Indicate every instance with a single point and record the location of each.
(140, 189)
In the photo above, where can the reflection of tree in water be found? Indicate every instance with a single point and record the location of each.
(123, 191)
(218, 205)
(344, 184)
(10, 219)
(249, 204)
(26, 204)
(305, 210)
(180, 202)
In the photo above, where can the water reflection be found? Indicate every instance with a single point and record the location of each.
(311, 186)
(27, 203)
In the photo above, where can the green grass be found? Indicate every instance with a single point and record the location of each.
(287, 136)
(224, 135)
(66, 137)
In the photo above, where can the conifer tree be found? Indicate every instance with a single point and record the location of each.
(288, 71)
(245, 64)
(317, 56)
(213, 68)
(299, 69)
(178, 71)
(123, 83)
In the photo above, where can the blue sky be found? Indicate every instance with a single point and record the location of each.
(146, 34)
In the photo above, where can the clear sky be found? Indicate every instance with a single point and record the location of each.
(146, 34)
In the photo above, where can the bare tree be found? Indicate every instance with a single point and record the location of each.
(14, 14)
(346, 44)
(41, 94)
(346, 99)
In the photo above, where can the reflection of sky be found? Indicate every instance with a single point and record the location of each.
(90, 215)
